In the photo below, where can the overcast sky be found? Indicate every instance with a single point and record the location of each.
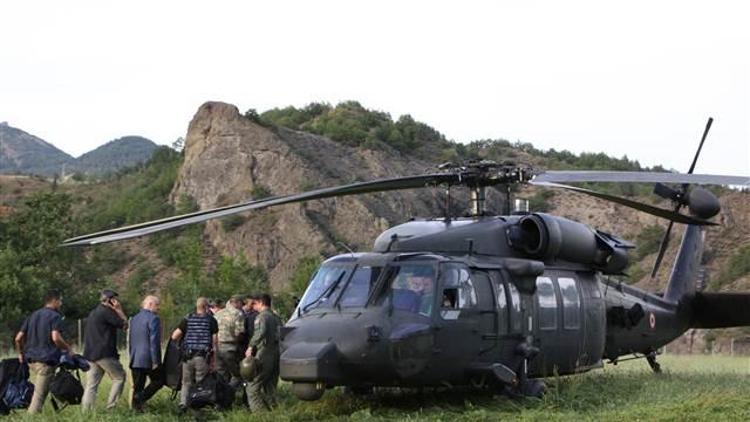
(635, 78)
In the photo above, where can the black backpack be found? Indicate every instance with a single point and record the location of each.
(15, 389)
(65, 388)
(213, 390)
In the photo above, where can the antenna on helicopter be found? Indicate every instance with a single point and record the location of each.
(340, 243)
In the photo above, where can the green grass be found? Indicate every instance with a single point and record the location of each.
(691, 388)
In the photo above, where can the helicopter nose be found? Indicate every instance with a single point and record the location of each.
(311, 362)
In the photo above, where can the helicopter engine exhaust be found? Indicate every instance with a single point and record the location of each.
(546, 237)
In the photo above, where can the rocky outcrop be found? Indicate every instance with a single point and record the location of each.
(229, 158)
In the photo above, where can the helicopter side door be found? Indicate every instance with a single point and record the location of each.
(488, 316)
(458, 339)
(510, 319)
(559, 323)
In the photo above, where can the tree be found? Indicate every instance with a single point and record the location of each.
(31, 260)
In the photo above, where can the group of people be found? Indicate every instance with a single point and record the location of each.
(213, 338)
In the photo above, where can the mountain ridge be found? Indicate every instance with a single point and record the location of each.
(24, 153)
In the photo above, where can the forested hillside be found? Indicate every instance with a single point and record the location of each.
(115, 155)
(23, 153)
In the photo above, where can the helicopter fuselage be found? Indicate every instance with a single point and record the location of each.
(404, 317)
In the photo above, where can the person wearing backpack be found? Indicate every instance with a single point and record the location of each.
(40, 343)
(100, 349)
(145, 352)
(199, 332)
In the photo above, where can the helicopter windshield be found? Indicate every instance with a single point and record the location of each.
(413, 287)
(358, 290)
(324, 286)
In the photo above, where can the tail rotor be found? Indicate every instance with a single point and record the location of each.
(681, 198)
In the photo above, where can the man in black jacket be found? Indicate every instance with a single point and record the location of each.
(100, 349)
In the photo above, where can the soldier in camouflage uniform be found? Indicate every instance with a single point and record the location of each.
(231, 332)
(264, 345)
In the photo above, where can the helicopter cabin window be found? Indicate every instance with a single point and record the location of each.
(458, 288)
(413, 287)
(358, 290)
(571, 303)
(515, 307)
(502, 305)
(323, 286)
(547, 301)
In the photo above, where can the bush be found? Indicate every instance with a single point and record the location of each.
(260, 192)
(648, 241)
(737, 266)
(540, 201)
(233, 222)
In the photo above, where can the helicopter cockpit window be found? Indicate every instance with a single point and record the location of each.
(458, 289)
(322, 288)
(358, 290)
(413, 288)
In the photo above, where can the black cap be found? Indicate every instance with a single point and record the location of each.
(109, 294)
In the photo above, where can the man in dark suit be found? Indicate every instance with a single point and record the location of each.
(145, 352)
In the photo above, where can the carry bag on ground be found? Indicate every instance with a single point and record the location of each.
(213, 390)
(15, 389)
(65, 388)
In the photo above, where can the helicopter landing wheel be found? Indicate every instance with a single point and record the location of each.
(651, 359)
(528, 388)
(533, 388)
(308, 391)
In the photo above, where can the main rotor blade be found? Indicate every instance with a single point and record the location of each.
(659, 212)
(142, 229)
(565, 176)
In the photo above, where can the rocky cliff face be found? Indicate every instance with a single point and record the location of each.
(229, 158)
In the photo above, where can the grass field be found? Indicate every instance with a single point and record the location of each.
(691, 388)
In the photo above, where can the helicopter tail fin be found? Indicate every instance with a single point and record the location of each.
(720, 310)
(682, 280)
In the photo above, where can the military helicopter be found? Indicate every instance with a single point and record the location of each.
(488, 300)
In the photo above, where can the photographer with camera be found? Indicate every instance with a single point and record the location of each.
(100, 348)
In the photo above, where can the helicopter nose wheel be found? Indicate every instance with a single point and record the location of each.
(651, 359)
